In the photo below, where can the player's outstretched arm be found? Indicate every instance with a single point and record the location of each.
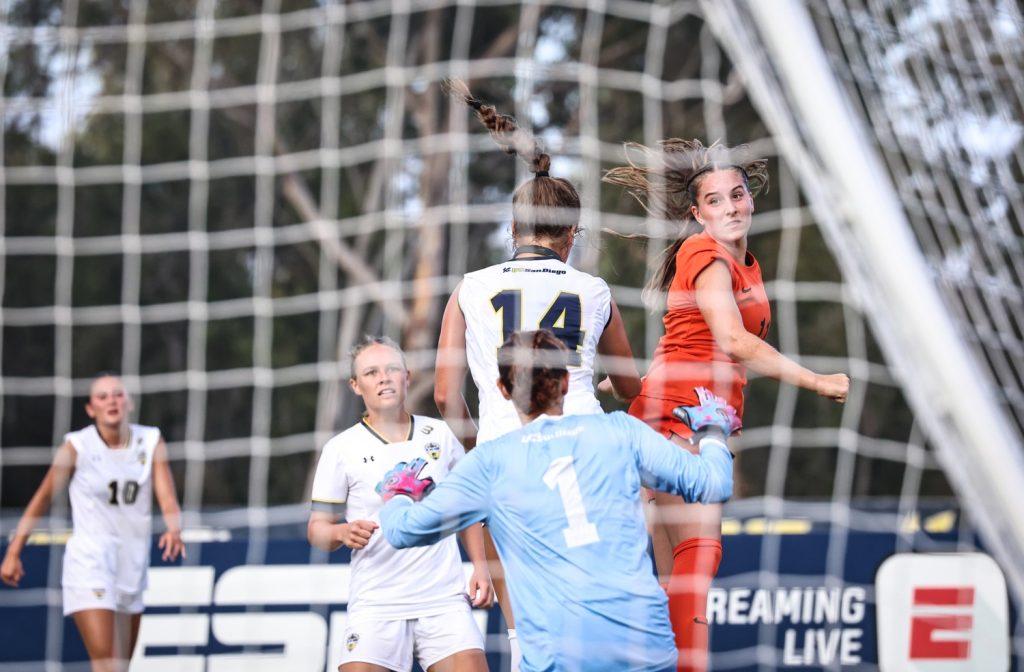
(170, 542)
(56, 479)
(461, 500)
(705, 478)
(718, 307)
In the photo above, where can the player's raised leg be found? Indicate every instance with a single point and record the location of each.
(693, 533)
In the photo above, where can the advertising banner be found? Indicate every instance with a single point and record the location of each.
(781, 601)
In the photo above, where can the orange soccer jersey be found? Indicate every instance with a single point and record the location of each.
(687, 355)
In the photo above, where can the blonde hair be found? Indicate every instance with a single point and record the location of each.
(367, 341)
(666, 180)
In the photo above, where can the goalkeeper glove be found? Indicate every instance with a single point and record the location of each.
(711, 414)
(404, 479)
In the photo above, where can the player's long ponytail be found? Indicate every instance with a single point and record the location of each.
(665, 181)
(532, 366)
(545, 206)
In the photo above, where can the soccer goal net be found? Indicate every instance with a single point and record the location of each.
(217, 198)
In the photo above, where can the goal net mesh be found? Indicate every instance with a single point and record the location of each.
(216, 199)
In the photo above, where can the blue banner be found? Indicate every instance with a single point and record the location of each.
(784, 596)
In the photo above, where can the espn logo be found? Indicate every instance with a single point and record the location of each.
(207, 621)
(939, 610)
(939, 635)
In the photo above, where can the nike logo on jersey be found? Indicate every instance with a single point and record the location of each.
(745, 290)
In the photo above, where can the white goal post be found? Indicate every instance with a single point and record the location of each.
(865, 224)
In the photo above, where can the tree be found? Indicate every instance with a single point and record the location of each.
(336, 219)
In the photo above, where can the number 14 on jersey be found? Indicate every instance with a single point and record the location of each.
(564, 318)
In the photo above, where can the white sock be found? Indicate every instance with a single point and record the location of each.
(513, 649)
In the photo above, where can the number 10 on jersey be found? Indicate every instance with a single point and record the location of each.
(564, 318)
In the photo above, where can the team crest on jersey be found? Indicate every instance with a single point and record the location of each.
(99, 593)
(427, 429)
(433, 449)
(351, 641)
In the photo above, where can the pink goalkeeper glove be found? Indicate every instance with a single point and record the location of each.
(404, 479)
(712, 412)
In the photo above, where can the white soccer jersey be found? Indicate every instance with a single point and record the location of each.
(388, 583)
(111, 503)
(528, 294)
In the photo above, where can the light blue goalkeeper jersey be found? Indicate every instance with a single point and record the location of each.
(561, 497)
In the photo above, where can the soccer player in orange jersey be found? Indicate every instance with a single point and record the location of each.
(717, 316)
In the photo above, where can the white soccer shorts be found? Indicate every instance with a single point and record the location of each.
(392, 643)
(80, 599)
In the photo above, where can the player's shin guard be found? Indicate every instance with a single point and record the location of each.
(694, 565)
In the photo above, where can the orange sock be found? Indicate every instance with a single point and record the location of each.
(696, 563)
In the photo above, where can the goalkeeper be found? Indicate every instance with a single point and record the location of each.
(561, 496)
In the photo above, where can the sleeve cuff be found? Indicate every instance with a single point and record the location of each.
(715, 440)
(327, 507)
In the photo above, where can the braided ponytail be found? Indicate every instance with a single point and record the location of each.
(545, 206)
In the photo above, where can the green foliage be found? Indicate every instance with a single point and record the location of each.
(350, 195)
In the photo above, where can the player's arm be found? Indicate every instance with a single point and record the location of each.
(481, 591)
(480, 588)
(617, 357)
(450, 372)
(56, 479)
(717, 305)
(167, 499)
(704, 478)
(459, 501)
(328, 531)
